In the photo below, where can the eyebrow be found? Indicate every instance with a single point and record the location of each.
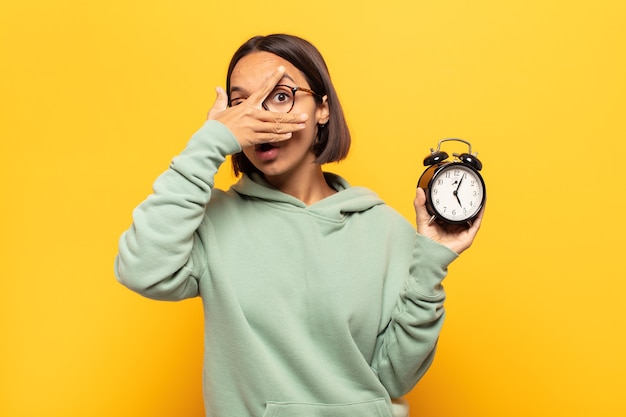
(237, 89)
(234, 89)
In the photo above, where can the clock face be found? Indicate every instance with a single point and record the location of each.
(457, 192)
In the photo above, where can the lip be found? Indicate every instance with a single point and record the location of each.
(266, 151)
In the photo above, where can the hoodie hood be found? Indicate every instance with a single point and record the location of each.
(347, 199)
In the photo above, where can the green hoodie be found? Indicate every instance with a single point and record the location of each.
(311, 311)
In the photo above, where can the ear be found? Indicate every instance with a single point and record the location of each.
(322, 114)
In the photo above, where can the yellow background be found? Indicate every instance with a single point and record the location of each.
(97, 96)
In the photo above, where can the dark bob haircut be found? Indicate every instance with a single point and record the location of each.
(333, 139)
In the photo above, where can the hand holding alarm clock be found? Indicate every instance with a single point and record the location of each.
(455, 190)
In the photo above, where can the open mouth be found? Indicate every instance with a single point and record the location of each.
(265, 147)
(266, 151)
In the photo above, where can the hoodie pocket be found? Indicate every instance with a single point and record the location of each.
(374, 408)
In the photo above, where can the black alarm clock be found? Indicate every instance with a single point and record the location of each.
(455, 190)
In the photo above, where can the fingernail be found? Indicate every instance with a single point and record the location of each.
(304, 116)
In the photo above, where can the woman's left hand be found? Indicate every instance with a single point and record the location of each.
(456, 237)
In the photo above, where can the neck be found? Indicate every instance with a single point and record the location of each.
(308, 187)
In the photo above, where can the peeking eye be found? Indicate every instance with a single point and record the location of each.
(280, 99)
(281, 94)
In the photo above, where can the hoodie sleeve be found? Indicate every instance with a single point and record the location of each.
(160, 254)
(406, 348)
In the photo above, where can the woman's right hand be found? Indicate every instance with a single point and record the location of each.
(252, 125)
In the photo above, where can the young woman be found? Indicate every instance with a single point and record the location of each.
(319, 299)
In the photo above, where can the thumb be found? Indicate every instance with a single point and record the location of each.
(422, 217)
(220, 104)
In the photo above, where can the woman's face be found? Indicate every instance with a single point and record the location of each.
(292, 157)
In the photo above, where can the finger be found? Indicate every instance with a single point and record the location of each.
(422, 216)
(261, 94)
(282, 118)
(220, 104)
(278, 117)
(269, 137)
(271, 128)
(279, 131)
(477, 221)
(420, 196)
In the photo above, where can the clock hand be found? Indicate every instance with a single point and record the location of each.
(459, 186)
(456, 192)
